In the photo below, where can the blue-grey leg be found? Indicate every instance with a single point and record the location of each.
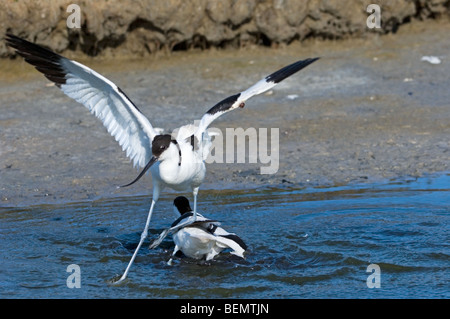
(144, 234)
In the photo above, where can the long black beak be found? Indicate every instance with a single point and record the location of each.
(152, 161)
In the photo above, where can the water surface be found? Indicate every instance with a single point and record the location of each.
(303, 243)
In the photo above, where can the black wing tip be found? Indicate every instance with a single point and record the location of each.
(16, 43)
(237, 240)
(14, 38)
(287, 71)
(224, 105)
(11, 37)
(44, 60)
(25, 46)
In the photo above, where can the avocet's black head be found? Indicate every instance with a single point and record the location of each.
(182, 204)
(160, 144)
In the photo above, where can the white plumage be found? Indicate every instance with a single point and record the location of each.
(106, 101)
(203, 239)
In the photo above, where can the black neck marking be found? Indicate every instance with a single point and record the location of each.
(179, 151)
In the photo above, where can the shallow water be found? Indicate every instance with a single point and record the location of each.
(303, 243)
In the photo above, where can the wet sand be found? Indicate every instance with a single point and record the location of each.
(369, 110)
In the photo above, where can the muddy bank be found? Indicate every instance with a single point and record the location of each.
(143, 27)
(369, 110)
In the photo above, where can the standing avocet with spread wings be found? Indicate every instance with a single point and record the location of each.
(173, 161)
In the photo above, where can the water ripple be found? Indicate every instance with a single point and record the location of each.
(303, 243)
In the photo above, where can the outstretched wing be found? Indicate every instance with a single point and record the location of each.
(238, 100)
(103, 98)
